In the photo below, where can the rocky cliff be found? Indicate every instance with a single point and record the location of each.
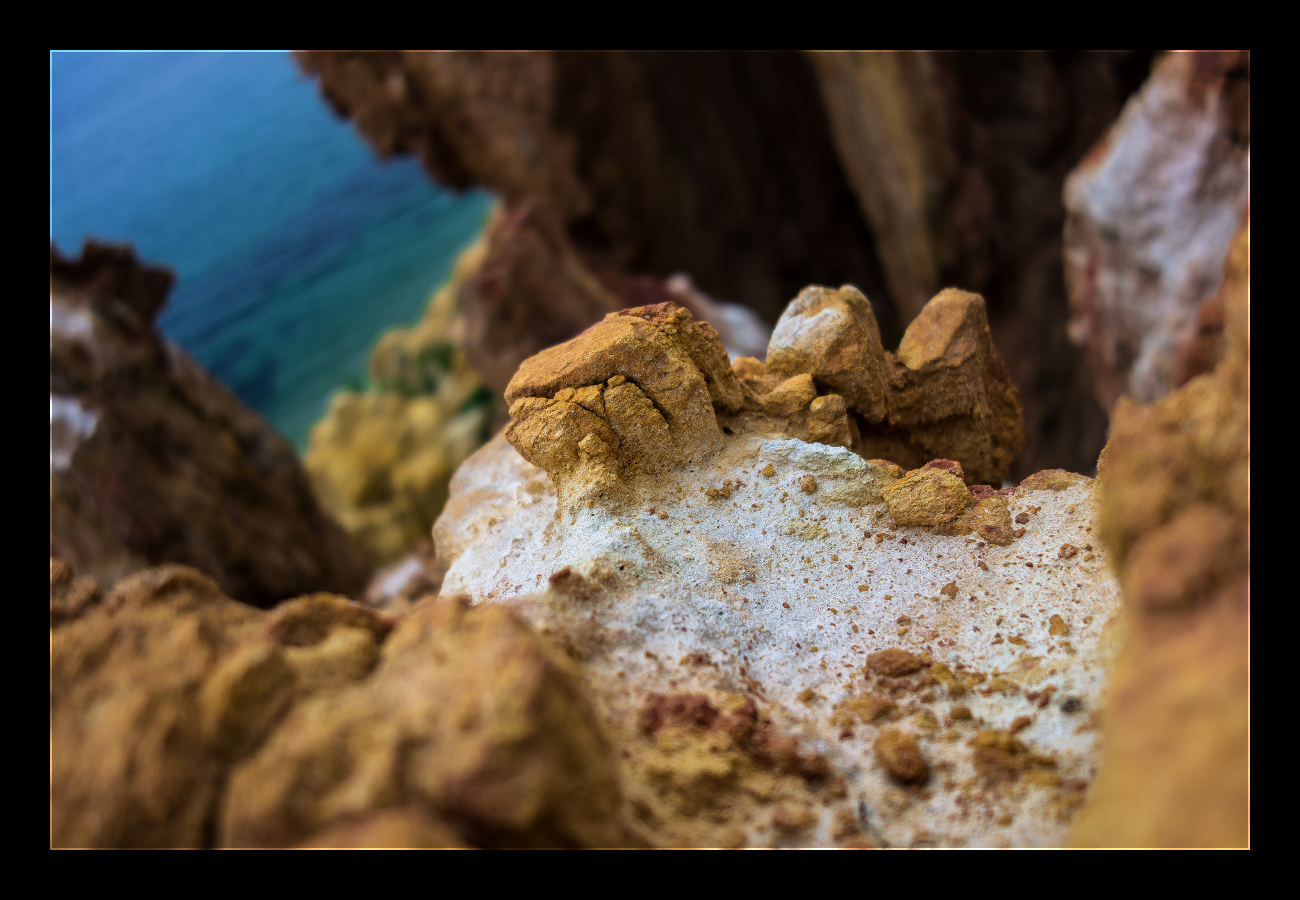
(792, 645)
(152, 461)
(695, 626)
(759, 173)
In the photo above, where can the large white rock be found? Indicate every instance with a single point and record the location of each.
(732, 584)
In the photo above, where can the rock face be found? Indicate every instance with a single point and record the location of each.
(787, 643)
(1151, 211)
(380, 459)
(1175, 512)
(152, 461)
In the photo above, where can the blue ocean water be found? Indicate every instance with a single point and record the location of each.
(294, 247)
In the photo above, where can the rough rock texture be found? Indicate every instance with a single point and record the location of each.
(380, 459)
(944, 394)
(778, 660)
(469, 715)
(1175, 512)
(159, 689)
(957, 161)
(152, 461)
(742, 169)
(720, 165)
(1151, 210)
(181, 718)
(648, 389)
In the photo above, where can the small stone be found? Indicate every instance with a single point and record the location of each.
(895, 662)
(927, 497)
(899, 755)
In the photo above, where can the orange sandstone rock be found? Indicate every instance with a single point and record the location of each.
(945, 393)
(182, 718)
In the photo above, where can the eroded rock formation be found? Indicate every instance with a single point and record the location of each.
(1151, 211)
(788, 643)
(1175, 512)
(152, 461)
(649, 390)
(757, 173)
(380, 459)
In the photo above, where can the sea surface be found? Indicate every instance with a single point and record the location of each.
(294, 247)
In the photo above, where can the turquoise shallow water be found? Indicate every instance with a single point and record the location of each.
(294, 248)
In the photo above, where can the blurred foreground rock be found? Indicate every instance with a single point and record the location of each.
(1151, 211)
(181, 718)
(1175, 513)
(789, 644)
(153, 461)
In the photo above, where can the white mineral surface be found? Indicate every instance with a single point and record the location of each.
(771, 591)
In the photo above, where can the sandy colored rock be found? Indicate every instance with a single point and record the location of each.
(70, 597)
(1052, 480)
(834, 335)
(895, 663)
(318, 723)
(1151, 210)
(168, 681)
(707, 599)
(927, 497)
(790, 396)
(152, 461)
(1175, 512)
(387, 830)
(470, 717)
(957, 160)
(945, 394)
